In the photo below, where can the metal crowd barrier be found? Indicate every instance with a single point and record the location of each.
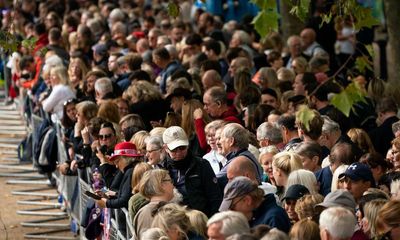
(71, 189)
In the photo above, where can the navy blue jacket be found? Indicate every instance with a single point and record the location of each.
(221, 175)
(324, 178)
(271, 214)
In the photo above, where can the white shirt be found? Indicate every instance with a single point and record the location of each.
(215, 158)
(314, 49)
(54, 103)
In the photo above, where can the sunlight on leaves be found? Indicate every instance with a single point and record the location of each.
(304, 116)
(363, 64)
(265, 22)
(370, 50)
(345, 100)
(173, 9)
(364, 18)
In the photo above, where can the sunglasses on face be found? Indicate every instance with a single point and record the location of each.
(105, 136)
(181, 148)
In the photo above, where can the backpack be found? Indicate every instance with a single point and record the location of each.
(46, 148)
(24, 150)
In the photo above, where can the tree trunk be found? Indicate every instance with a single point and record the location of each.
(290, 24)
(392, 8)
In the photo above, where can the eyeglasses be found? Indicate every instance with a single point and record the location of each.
(180, 148)
(153, 150)
(105, 136)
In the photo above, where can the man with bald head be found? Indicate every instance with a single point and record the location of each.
(241, 166)
(211, 78)
(238, 62)
(309, 43)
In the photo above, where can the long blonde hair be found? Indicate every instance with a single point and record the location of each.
(371, 210)
(287, 162)
(173, 217)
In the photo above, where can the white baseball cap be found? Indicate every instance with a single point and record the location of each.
(175, 137)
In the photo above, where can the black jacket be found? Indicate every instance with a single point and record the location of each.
(383, 135)
(201, 187)
(124, 191)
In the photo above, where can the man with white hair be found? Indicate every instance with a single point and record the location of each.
(268, 134)
(224, 224)
(337, 223)
(104, 89)
(234, 143)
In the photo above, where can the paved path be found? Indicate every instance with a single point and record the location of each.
(16, 209)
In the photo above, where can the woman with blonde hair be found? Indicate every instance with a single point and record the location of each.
(300, 65)
(146, 101)
(305, 229)
(213, 157)
(305, 206)
(198, 220)
(155, 234)
(388, 222)
(61, 92)
(336, 182)
(137, 201)
(77, 71)
(265, 158)
(173, 219)
(156, 186)
(283, 164)
(139, 139)
(361, 139)
(369, 221)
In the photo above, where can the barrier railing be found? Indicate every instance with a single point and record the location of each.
(72, 187)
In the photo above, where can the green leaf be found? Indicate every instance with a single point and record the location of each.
(364, 18)
(326, 18)
(362, 64)
(345, 100)
(266, 21)
(173, 9)
(29, 43)
(301, 10)
(304, 116)
(370, 50)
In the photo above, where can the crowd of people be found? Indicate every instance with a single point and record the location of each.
(193, 124)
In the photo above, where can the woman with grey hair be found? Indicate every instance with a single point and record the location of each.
(155, 153)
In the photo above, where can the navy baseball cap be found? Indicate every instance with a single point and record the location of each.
(359, 171)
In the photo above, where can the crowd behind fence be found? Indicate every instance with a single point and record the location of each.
(71, 188)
